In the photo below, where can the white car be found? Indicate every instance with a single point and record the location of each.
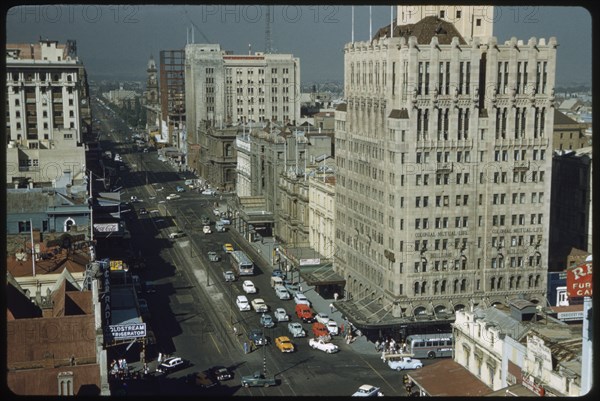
(173, 196)
(242, 303)
(405, 362)
(206, 230)
(281, 315)
(176, 234)
(282, 292)
(301, 299)
(296, 329)
(332, 327)
(367, 390)
(209, 192)
(322, 317)
(259, 305)
(326, 347)
(248, 287)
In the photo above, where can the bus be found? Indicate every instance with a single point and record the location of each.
(242, 265)
(430, 345)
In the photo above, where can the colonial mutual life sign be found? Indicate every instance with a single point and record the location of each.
(579, 281)
(127, 331)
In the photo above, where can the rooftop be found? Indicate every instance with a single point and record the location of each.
(424, 31)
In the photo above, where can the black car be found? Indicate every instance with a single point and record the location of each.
(221, 373)
(143, 210)
(172, 364)
(257, 337)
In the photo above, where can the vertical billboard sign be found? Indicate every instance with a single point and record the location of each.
(579, 281)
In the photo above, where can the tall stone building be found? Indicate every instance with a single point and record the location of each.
(48, 114)
(151, 95)
(224, 90)
(443, 155)
(172, 96)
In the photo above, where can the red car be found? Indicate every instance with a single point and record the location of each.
(320, 330)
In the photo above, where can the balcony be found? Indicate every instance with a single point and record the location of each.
(444, 167)
(521, 165)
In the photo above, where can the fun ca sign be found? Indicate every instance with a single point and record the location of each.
(579, 281)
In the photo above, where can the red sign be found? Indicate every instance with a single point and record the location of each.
(579, 281)
(529, 383)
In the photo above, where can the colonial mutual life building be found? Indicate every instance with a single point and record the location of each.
(443, 154)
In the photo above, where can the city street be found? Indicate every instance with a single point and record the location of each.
(193, 310)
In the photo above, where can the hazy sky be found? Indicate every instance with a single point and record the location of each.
(119, 39)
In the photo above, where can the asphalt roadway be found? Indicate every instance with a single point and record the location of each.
(193, 313)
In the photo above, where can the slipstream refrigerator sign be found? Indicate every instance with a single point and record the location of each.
(127, 331)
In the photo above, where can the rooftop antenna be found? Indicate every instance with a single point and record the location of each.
(268, 41)
(391, 21)
(352, 24)
(249, 49)
(370, 23)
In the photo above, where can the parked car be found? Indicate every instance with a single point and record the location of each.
(229, 275)
(257, 337)
(259, 305)
(224, 221)
(282, 292)
(206, 230)
(173, 196)
(278, 273)
(242, 303)
(176, 234)
(201, 379)
(172, 364)
(228, 248)
(266, 320)
(180, 188)
(322, 317)
(209, 192)
(284, 344)
(258, 380)
(142, 211)
(304, 313)
(281, 315)
(367, 390)
(217, 212)
(219, 227)
(300, 298)
(296, 329)
(221, 373)
(213, 256)
(405, 362)
(292, 288)
(324, 346)
(248, 287)
(320, 331)
(333, 328)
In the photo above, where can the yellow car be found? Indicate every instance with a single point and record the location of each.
(228, 248)
(284, 344)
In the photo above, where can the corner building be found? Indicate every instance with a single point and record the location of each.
(443, 154)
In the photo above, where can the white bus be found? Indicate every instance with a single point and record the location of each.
(430, 345)
(242, 264)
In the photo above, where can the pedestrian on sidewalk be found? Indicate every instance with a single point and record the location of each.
(235, 330)
(335, 296)
(245, 347)
(331, 307)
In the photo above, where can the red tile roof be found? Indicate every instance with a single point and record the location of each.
(457, 381)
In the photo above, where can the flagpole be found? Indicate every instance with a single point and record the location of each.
(32, 246)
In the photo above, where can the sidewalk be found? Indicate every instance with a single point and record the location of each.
(319, 304)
